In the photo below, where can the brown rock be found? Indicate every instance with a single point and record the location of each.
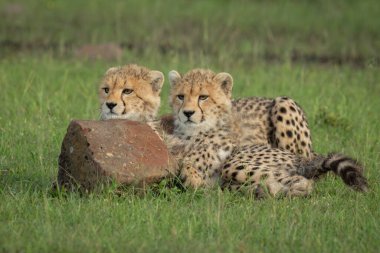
(13, 9)
(107, 51)
(126, 151)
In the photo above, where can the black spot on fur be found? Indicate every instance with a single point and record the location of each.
(296, 181)
(292, 108)
(283, 110)
(241, 167)
(289, 133)
(279, 118)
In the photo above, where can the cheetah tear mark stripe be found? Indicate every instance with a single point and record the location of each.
(125, 108)
(203, 116)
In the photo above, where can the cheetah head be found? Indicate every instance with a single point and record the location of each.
(130, 92)
(200, 99)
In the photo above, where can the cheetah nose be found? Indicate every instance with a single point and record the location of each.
(111, 105)
(188, 113)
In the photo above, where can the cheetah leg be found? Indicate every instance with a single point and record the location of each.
(261, 183)
(294, 184)
(300, 186)
(191, 177)
(290, 127)
(274, 187)
(251, 189)
(273, 182)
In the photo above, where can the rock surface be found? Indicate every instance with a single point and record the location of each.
(126, 151)
(107, 51)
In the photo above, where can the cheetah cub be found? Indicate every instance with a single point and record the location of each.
(133, 92)
(130, 92)
(201, 103)
(210, 134)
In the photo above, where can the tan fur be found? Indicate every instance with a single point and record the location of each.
(278, 122)
(253, 166)
(210, 139)
(200, 82)
(203, 137)
(141, 104)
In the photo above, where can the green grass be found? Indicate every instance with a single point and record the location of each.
(42, 90)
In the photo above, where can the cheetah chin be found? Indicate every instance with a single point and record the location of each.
(110, 115)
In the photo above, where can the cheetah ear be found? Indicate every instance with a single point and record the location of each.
(226, 82)
(174, 77)
(113, 69)
(157, 80)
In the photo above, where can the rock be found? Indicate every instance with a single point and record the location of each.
(107, 51)
(127, 152)
(13, 9)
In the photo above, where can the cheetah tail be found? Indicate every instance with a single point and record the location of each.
(350, 170)
(347, 168)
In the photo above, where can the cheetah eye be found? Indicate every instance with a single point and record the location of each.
(106, 90)
(127, 91)
(203, 97)
(180, 97)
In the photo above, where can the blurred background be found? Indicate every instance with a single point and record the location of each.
(222, 32)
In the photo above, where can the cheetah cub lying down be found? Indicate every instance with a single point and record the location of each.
(210, 134)
(130, 92)
(133, 92)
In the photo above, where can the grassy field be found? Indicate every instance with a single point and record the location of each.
(323, 54)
